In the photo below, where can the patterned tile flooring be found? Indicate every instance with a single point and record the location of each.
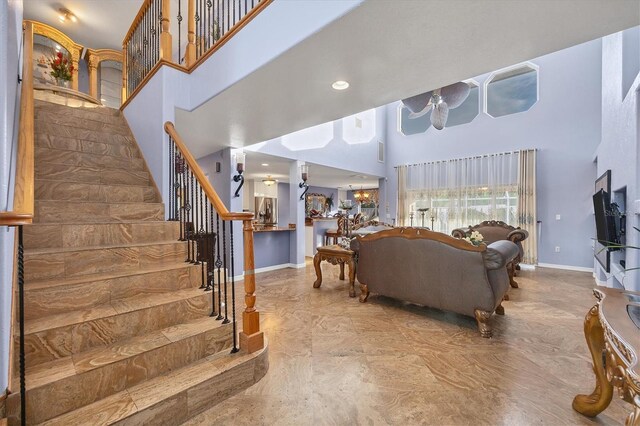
(336, 361)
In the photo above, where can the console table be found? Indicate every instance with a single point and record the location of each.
(612, 330)
(336, 255)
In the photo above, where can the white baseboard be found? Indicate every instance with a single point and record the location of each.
(281, 266)
(297, 266)
(527, 267)
(565, 267)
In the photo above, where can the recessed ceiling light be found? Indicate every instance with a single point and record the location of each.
(340, 85)
(265, 164)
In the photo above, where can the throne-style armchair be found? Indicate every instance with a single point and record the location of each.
(496, 230)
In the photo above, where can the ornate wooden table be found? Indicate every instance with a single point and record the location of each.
(612, 329)
(336, 255)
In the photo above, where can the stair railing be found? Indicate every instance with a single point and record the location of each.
(208, 24)
(207, 226)
(23, 209)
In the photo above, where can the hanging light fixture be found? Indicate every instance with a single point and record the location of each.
(269, 181)
(361, 196)
(64, 15)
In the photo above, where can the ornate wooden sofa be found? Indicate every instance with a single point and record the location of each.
(433, 269)
(497, 230)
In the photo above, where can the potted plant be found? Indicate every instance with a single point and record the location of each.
(61, 69)
(328, 203)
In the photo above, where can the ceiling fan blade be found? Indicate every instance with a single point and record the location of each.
(419, 114)
(455, 94)
(439, 115)
(417, 103)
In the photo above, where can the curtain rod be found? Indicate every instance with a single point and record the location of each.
(465, 158)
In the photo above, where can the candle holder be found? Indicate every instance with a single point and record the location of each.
(304, 171)
(423, 211)
(411, 214)
(240, 157)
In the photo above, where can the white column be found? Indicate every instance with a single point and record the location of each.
(296, 215)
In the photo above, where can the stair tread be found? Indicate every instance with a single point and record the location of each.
(116, 307)
(54, 282)
(49, 372)
(88, 248)
(47, 180)
(105, 411)
(142, 396)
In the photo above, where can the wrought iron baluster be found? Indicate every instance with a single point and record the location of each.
(207, 254)
(233, 290)
(23, 389)
(194, 211)
(218, 266)
(179, 19)
(225, 265)
(197, 223)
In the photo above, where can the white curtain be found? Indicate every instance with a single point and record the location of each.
(527, 206)
(459, 192)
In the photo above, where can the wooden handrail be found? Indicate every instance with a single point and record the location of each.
(136, 20)
(211, 193)
(23, 200)
(251, 338)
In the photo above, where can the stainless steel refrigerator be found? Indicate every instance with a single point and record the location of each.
(267, 210)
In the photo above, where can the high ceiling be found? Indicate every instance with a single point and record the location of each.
(390, 50)
(101, 23)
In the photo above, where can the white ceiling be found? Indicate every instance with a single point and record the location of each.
(328, 177)
(389, 50)
(101, 23)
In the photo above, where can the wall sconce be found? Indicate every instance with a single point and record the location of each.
(240, 156)
(304, 171)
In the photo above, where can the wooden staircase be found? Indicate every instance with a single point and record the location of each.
(117, 328)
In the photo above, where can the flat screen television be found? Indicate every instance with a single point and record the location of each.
(606, 232)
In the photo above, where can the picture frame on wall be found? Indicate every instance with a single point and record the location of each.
(600, 252)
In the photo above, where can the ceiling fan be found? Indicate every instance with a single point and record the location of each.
(442, 100)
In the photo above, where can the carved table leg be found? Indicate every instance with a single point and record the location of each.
(342, 270)
(511, 269)
(364, 293)
(500, 309)
(594, 404)
(484, 326)
(505, 297)
(352, 278)
(316, 264)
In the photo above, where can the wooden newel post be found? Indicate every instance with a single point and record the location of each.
(165, 35)
(251, 338)
(190, 54)
(124, 75)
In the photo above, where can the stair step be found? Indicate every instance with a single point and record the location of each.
(174, 397)
(121, 365)
(59, 336)
(75, 158)
(73, 262)
(81, 212)
(72, 235)
(70, 144)
(84, 134)
(91, 174)
(118, 126)
(42, 105)
(88, 114)
(52, 297)
(55, 190)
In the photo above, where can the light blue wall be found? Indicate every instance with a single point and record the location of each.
(10, 67)
(565, 128)
(271, 248)
(620, 150)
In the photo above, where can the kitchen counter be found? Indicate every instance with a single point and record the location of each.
(272, 229)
